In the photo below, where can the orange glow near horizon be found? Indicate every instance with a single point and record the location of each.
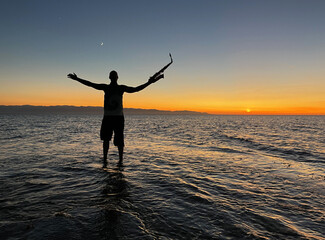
(228, 110)
(237, 101)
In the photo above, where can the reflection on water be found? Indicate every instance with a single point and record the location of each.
(116, 184)
(184, 177)
(114, 194)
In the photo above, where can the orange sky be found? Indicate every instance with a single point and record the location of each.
(235, 100)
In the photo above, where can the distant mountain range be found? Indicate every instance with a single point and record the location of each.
(24, 109)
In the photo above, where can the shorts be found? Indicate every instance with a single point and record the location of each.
(112, 124)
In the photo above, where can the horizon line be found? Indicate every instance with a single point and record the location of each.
(213, 112)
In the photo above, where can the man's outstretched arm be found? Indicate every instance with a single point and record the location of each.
(86, 82)
(141, 87)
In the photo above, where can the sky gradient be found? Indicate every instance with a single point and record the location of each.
(230, 57)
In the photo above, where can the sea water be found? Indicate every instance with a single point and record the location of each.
(183, 177)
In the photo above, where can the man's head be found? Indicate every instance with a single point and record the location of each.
(113, 76)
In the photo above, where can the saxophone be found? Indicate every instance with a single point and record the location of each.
(158, 75)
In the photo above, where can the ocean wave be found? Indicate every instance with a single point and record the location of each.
(296, 154)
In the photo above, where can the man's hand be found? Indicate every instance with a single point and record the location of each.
(155, 79)
(72, 76)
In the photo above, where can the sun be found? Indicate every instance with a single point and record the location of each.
(248, 110)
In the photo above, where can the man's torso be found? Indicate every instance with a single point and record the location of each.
(113, 100)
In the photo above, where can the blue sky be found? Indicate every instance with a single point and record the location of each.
(227, 53)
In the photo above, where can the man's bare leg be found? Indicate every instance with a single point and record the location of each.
(120, 152)
(105, 150)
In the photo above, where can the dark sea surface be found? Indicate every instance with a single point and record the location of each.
(183, 177)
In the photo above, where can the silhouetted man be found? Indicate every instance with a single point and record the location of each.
(113, 120)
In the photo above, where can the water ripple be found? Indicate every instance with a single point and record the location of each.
(183, 177)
